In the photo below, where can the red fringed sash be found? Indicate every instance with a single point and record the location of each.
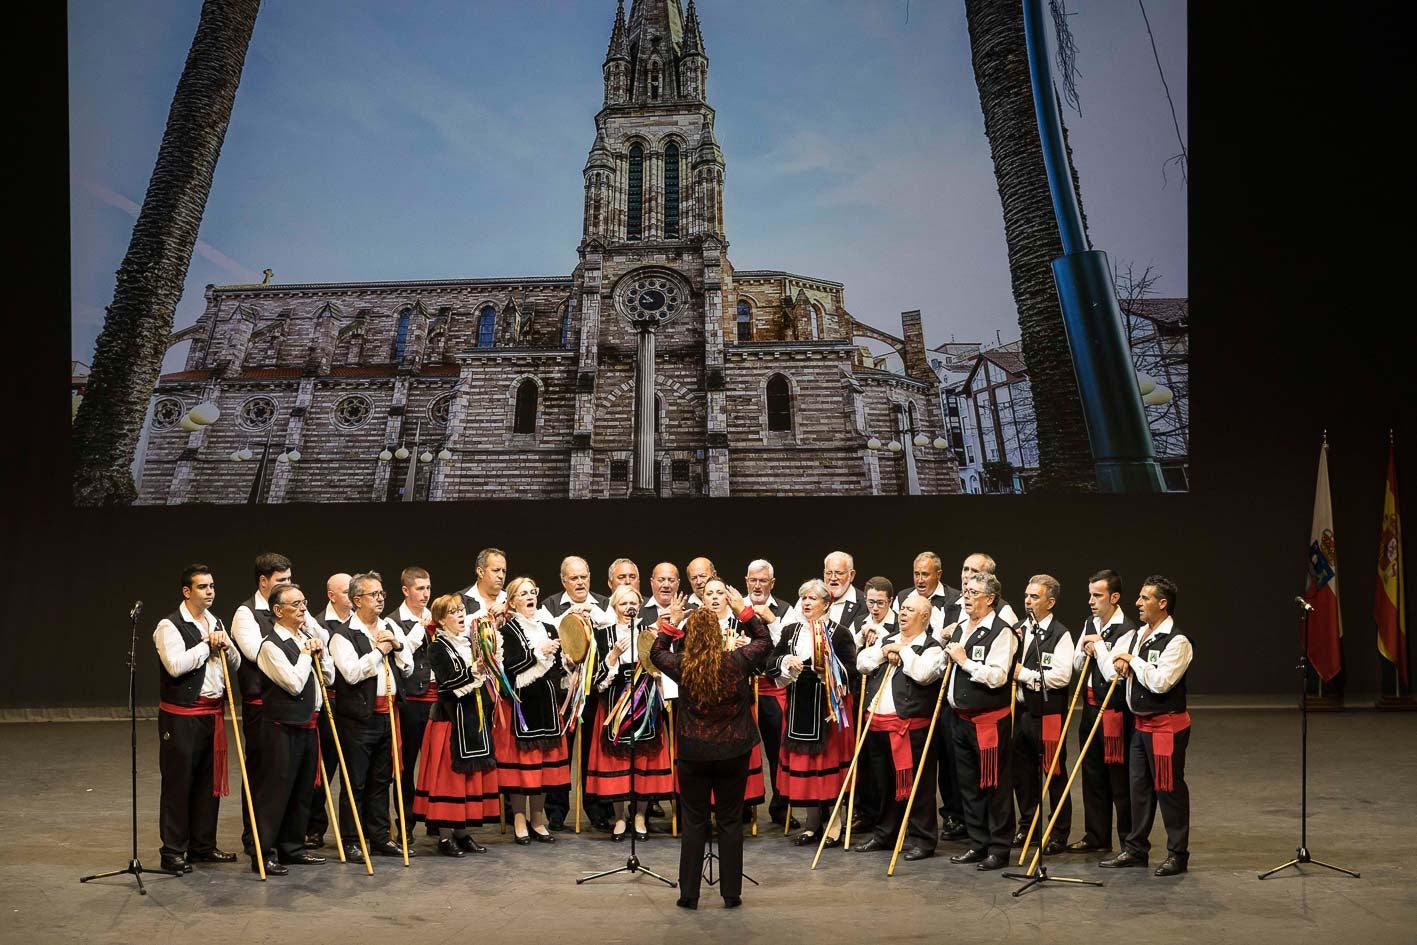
(1163, 729)
(986, 732)
(220, 787)
(899, 730)
(1052, 734)
(1114, 748)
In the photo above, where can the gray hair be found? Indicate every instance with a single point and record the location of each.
(568, 559)
(1050, 584)
(989, 564)
(357, 583)
(610, 574)
(815, 587)
(486, 555)
(932, 558)
(281, 591)
(990, 584)
(760, 564)
(850, 561)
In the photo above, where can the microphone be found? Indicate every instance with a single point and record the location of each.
(138, 608)
(1304, 604)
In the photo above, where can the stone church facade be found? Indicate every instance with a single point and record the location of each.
(525, 387)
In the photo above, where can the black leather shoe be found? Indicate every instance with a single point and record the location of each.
(313, 841)
(1121, 860)
(619, 837)
(1053, 847)
(388, 848)
(1170, 867)
(273, 868)
(559, 826)
(918, 853)
(953, 829)
(1082, 846)
(540, 837)
(447, 847)
(353, 853)
(993, 862)
(174, 864)
(683, 903)
(524, 841)
(1017, 840)
(211, 856)
(303, 859)
(969, 856)
(871, 845)
(469, 845)
(641, 835)
(804, 838)
(732, 902)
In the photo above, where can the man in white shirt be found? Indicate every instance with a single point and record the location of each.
(1043, 672)
(664, 587)
(623, 572)
(881, 622)
(485, 596)
(337, 611)
(419, 691)
(192, 737)
(698, 572)
(772, 698)
(925, 574)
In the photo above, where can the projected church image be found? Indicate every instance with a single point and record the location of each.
(526, 386)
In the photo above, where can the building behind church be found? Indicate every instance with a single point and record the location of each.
(524, 387)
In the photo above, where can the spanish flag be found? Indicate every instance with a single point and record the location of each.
(1388, 601)
(1325, 629)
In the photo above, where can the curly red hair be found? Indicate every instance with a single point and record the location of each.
(703, 658)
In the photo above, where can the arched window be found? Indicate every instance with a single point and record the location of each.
(487, 327)
(401, 337)
(633, 228)
(671, 192)
(525, 417)
(745, 321)
(565, 324)
(779, 396)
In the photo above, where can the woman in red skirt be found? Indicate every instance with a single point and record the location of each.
(529, 738)
(734, 638)
(631, 699)
(811, 660)
(457, 778)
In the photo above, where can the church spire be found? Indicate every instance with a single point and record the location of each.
(693, 39)
(619, 47)
(617, 60)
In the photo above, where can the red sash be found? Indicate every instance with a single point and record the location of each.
(381, 705)
(220, 788)
(1113, 747)
(986, 732)
(1052, 734)
(1163, 729)
(430, 696)
(899, 730)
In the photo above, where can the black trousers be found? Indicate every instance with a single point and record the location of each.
(368, 757)
(187, 812)
(329, 758)
(1175, 803)
(924, 829)
(286, 788)
(251, 736)
(725, 780)
(988, 812)
(413, 719)
(770, 727)
(1028, 778)
(1105, 788)
(951, 805)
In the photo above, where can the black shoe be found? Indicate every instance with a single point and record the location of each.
(683, 903)
(540, 837)
(969, 856)
(210, 856)
(273, 868)
(1082, 846)
(1053, 847)
(524, 841)
(1017, 840)
(620, 836)
(655, 810)
(641, 835)
(732, 902)
(469, 845)
(1170, 867)
(1124, 859)
(387, 848)
(918, 853)
(872, 845)
(313, 841)
(804, 838)
(447, 847)
(175, 864)
(953, 830)
(303, 859)
(601, 823)
(993, 862)
(353, 853)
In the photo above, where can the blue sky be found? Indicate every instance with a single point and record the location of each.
(423, 139)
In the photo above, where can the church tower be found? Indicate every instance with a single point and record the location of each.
(652, 222)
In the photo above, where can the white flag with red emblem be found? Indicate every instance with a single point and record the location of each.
(1325, 623)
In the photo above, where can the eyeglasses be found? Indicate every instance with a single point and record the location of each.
(379, 594)
(297, 604)
(835, 574)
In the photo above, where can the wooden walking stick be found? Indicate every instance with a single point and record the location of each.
(245, 782)
(578, 785)
(394, 750)
(673, 801)
(1052, 762)
(855, 757)
(851, 801)
(320, 760)
(920, 769)
(1077, 766)
(344, 773)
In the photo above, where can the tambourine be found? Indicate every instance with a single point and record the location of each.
(574, 632)
(646, 643)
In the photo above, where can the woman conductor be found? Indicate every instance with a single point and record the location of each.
(715, 734)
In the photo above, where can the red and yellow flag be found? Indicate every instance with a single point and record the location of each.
(1388, 600)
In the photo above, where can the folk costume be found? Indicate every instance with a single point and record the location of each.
(629, 708)
(457, 782)
(418, 693)
(1044, 674)
(528, 735)
(558, 800)
(250, 624)
(329, 757)
(818, 741)
(1105, 779)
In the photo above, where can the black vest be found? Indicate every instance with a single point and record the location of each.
(556, 608)
(187, 688)
(1030, 659)
(417, 683)
(945, 599)
(249, 675)
(279, 705)
(1142, 700)
(355, 700)
(806, 722)
(968, 694)
(912, 700)
(1110, 636)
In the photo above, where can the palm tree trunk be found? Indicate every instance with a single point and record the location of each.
(996, 38)
(129, 352)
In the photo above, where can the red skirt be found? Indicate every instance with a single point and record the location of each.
(447, 798)
(525, 770)
(810, 779)
(608, 775)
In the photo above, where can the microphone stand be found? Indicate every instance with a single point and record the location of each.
(1041, 878)
(1301, 855)
(135, 866)
(632, 863)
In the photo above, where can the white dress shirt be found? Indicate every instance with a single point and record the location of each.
(937, 614)
(355, 669)
(598, 615)
(178, 660)
(1006, 612)
(993, 670)
(332, 614)
(291, 676)
(418, 635)
(247, 632)
(1170, 666)
(1089, 628)
(924, 668)
(1056, 676)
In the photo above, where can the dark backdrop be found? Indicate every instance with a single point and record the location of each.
(1300, 253)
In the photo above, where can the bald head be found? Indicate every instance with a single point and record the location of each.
(337, 590)
(699, 571)
(664, 582)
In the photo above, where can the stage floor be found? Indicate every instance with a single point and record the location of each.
(65, 790)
